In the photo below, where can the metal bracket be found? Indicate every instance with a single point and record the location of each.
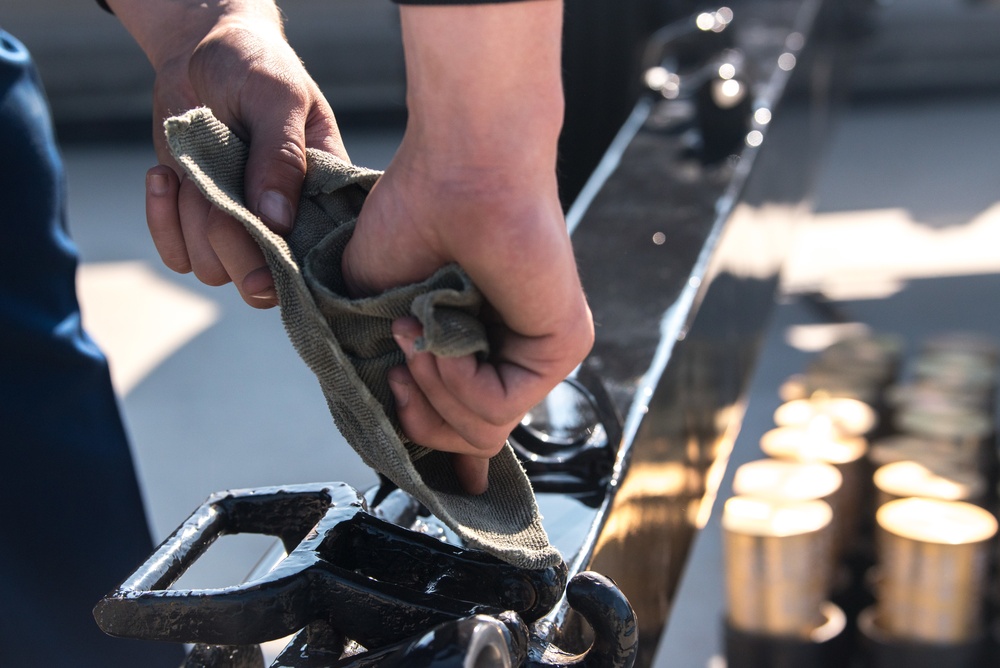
(374, 582)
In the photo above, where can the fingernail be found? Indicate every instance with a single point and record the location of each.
(268, 294)
(157, 184)
(401, 392)
(276, 210)
(405, 344)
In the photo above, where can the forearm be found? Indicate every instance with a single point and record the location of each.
(484, 83)
(166, 29)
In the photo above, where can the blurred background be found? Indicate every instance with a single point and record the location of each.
(905, 236)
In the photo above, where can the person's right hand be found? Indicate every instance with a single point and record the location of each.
(474, 183)
(233, 58)
(506, 229)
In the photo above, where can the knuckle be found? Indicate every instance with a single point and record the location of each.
(499, 416)
(579, 339)
(292, 155)
(490, 446)
(173, 255)
(179, 263)
(421, 430)
(213, 276)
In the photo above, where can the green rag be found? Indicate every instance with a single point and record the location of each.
(348, 343)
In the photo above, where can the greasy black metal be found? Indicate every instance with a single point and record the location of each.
(225, 656)
(616, 635)
(473, 641)
(581, 467)
(451, 645)
(393, 555)
(316, 646)
(692, 57)
(494, 641)
(684, 48)
(370, 580)
(602, 604)
(752, 650)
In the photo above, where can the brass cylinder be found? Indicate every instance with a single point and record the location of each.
(977, 344)
(905, 447)
(927, 392)
(818, 443)
(829, 383)
(848, 416)
(930, 479)
(787, 480)
(958, 371)
(966, 430)
(933, 558)
(777, 556)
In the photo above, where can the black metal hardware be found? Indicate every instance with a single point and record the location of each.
(361, 592)
(607, 611)
(695, 64)
(568, 443)
(685, 46)
(225, 656)
(481, 641)
(489, 641)
(372, 581)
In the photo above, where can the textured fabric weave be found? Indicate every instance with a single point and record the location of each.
(348, 342)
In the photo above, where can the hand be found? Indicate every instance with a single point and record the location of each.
(514, 246)
(474, 183)
(233, 58)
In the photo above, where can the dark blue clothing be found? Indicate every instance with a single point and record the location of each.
(70, 509)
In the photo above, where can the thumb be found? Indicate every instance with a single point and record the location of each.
(473, 472)
(275, 169)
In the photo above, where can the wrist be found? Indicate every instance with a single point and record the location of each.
(504, 145)
(484, 82)
(170, 31)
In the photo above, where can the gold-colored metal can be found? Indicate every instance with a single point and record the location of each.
(829, 383)
(819, 443)
(777, 557)
(967, 431)
(929, 479)
(788, 480)
(957, 371)
(933, 558)
(848, 416)
(815, 443)
(976, 344)
(921, 449)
